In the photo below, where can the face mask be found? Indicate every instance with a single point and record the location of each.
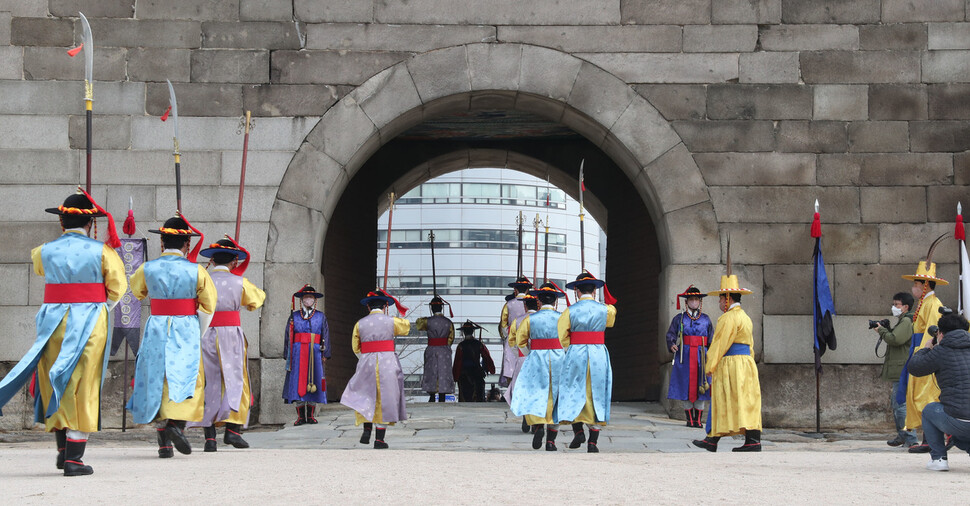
(897, 311)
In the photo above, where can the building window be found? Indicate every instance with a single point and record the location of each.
(452, 285)
(470, 238)
(485, 193)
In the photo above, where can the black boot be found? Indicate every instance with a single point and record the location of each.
(709, 443)
(73, 451)
(537, 437)
(526, 427)
(689, 413)
(233, 436)
(579, 437)
(441, 397)
(165, 450)
(551, 440)
(379, 439)
(594, 435)
(365, 437)
(300, 415)
(699, 424)
(431, 399)
(210, 439)
(310, 410)
(752, 442)
(60, 436)
(174, 430)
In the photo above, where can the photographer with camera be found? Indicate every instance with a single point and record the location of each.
(947, 356)
(897, 339)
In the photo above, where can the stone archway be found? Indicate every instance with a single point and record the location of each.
(548, 83)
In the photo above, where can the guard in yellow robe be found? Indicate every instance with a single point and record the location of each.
(735, 387)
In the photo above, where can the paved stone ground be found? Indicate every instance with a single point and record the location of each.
(479, 447)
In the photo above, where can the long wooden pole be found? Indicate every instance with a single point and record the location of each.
(535, 256)
(519, 222)
(242, 174)
(387, 250)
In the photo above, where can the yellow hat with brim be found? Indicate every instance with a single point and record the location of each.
(729, 284)
(924, 273)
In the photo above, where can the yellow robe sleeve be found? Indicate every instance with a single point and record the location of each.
(137, 283)
(451, 335)
(422, 323)
(522, 334)
(252, 297)
(503, 325)
(511, 341)
(355, 339)
(38, 263)
(564, 326)
(722, 340)
(402, 327)
(610, 315)
(205, 292)
(113, 272)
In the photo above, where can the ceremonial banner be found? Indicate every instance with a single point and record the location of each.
(823, 308)
(127, 314)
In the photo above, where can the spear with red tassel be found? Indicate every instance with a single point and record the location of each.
(88, 40)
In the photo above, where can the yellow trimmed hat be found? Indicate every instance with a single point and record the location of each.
(729, 284)
(926, 270)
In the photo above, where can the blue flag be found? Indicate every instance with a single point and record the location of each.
(823, 309)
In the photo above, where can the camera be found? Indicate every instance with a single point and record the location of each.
(875, 323)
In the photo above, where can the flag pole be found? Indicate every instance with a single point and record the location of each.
(818, 375)
(958, 235)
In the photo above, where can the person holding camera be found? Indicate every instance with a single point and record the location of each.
(897, 339)
(947, 356)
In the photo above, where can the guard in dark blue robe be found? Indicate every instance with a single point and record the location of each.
(688, 337)
(306, 350)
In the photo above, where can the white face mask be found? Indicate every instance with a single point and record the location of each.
(897, 311)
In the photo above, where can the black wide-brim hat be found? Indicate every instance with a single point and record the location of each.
(224, 246)
(470, 325)
(521, 282)
(77, 204)
(372, 296)
(308, 290)
(585, 278)
(437, 300)
(547, 288)
(175, 226)
(693, 291)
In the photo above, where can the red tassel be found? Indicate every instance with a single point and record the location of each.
(817, 226)
(959, 233)
(194, 254)
(610, 299)
(129, 226)
(582, 185)
(401, 308)
(73, 52)
(678, 302)
(451, 314)
(241, 268)
(165, 116)
(561, 290)
(113, 240)
(33, 385)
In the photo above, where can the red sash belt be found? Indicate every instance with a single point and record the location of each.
(437, 341)
(225, 319)
(305, 337)
(67, 293)
(377, 346)
(586, 337)
(174, 307)
(693, 364)
(545, 344)
(694, 340)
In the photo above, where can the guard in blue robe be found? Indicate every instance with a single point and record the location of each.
(688, 337)
(306, 350)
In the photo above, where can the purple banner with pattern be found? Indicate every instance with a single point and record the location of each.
(127, 314)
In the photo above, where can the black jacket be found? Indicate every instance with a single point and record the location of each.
(950, 361)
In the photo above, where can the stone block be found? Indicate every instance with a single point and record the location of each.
(158, 64)
(208, 203)
(867, 289)
(342, 131)
(272, 409)
(902, 11)
(230, 66)
(935, 136)
(226, 10)
(948, 36)
(808, 37)
(596, 39)
(764, 67)
(375, 37)
(142, 202)
(907, 244)
(333, 11)
(667, 68)
(108, 132)
(812, 137)
(897, 101)
(778, 101)
(895, 36)
(208, 134)
(946, 66)
(675, 179)
(893, 204)
(757, 169)
(291, 99)
(195, 99)
(5, 22)
(292, 244)
(788, 340)
(21, 237)
(919, 169)
(862, 67)
(720, 38)
(790, 243)
(50, 63)
(19, 331)
(644, 132)
(548, 73)
(314, 180)
(25, 8)
(33, 132)
(941, 202)
(789, 390)
(783, 204)
(250, 35)
(44, 167)
(440, 73)
(42, 32)
(388, 95)
(118, 167)
(266, 10)
(497, 12)
(263, 168)
(600, 95)
(840, 102)
(788, 288)
(692, 235)
(15, 284)
(708, 136)
(142, 32)
(22, 200)
(93, 8)
(676, 101)
(746, 11)
(878, 136)
(830, 11)
(330, 67)
(662, 12)
(11, 62)
(494, 66)
(961, 168)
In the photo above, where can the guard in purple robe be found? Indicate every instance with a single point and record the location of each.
(688, 337)
(437, 378)
(306, 350)
(224, 348)
(513, 309)
(376, 390)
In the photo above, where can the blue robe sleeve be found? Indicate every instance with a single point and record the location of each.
(325, 336)
(672, 331)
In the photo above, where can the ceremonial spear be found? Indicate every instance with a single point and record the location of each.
(518, 220)
(387, 250)
(173, 108)
(245, 127)
(88, 40)
(582, 233)
(545, 254)
(535, 257)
